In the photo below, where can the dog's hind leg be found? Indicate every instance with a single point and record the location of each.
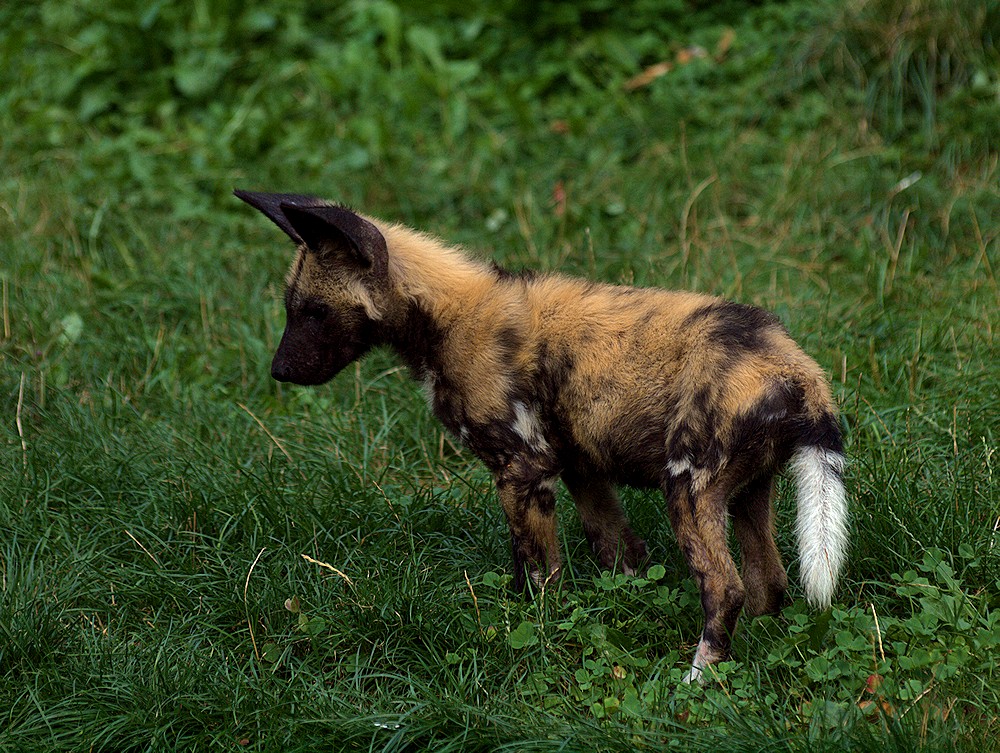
(604, 523)
(753, 521)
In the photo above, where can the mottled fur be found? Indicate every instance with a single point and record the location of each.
(546, 377)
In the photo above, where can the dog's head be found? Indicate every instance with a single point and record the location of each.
(336, 289)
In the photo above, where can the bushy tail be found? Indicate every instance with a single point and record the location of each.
(822, 519)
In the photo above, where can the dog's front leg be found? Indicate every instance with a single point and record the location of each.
(527, 489)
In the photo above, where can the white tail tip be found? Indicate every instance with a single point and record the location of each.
(822, 520)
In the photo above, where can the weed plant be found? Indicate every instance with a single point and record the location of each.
(193, 556)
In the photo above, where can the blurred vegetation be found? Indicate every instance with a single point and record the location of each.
(162, 94)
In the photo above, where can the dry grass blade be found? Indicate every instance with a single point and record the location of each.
(17, 421)
(139, 544)
(277, 442)
(246, 602)
(328, 566)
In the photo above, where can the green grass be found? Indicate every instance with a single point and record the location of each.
(158, 492)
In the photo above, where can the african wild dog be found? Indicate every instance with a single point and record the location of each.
(546, 377)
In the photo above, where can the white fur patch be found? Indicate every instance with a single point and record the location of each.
(822, 520)
(679, 467)
(527, 426)
(428, 387)
(699, 476)
(703, 656)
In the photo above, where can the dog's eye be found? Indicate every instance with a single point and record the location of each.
(314, 311)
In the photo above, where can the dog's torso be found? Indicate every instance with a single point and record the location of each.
(613, 380)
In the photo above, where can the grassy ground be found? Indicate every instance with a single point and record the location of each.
(192, 555)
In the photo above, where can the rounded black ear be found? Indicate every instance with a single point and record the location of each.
(331, 230)
(269, 204)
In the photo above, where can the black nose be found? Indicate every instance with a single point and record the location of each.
(280, 370)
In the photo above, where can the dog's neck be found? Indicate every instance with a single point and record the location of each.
(434, 284)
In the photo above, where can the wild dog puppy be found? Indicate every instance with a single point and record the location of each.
(546, 377)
